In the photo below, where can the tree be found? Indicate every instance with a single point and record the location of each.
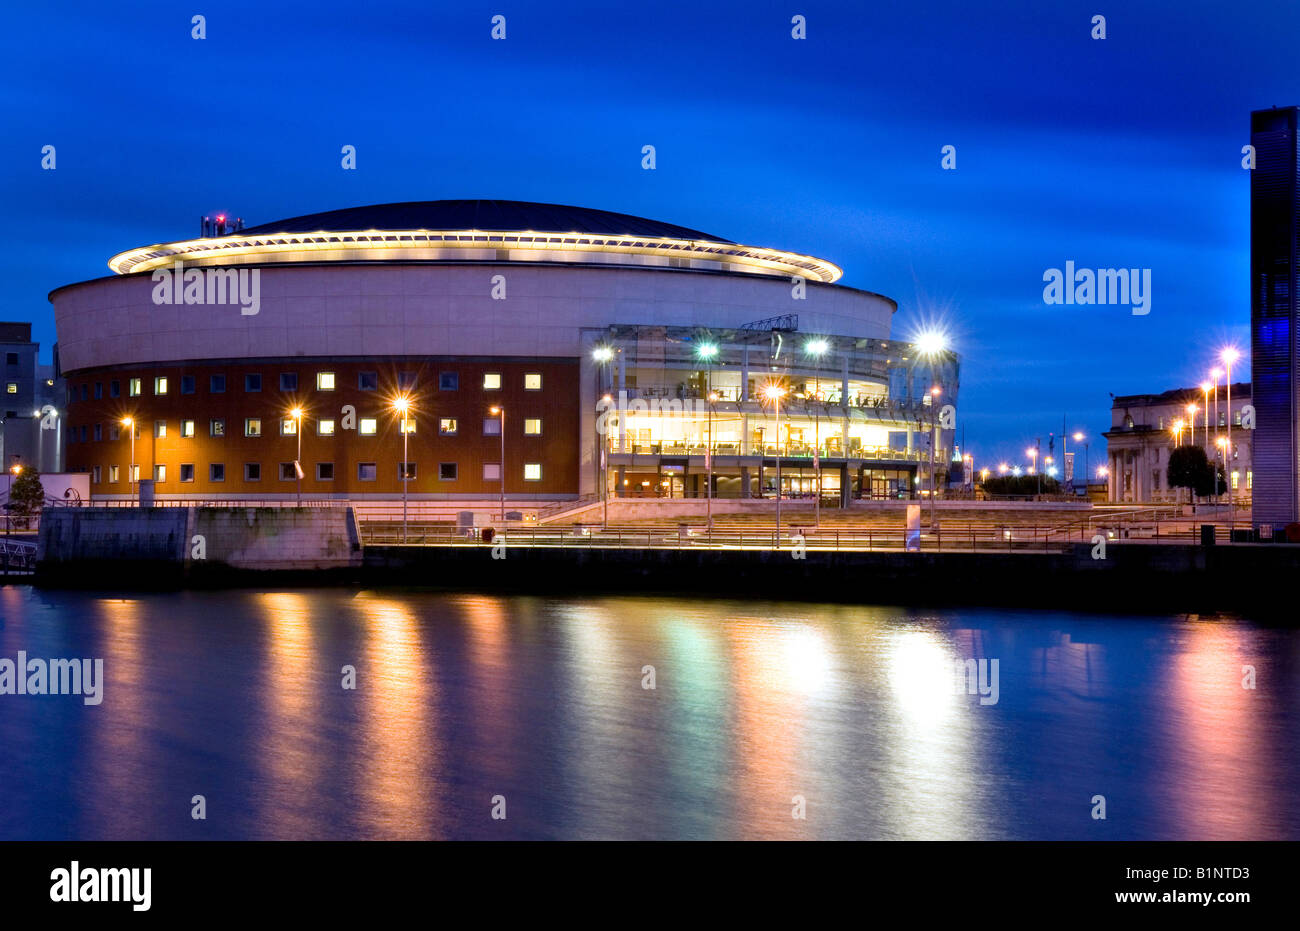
(1190, 468)
(1020, 485)
(26, 495)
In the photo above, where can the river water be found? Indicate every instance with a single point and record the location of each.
(765, 720)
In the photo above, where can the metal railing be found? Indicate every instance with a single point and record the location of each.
(17, 556)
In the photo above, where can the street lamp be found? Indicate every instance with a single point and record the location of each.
(296, 414)
(402, 404)
(602, 355)
(1079, 438)
(1229, 356)
(1205, 390)
(1191, 423)
(501, 413)
(774, 393)
(934, 441)
(129, 423)
(1215, 374)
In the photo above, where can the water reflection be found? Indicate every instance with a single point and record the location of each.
(238, 696)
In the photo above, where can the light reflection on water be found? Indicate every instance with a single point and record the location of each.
(237, 696)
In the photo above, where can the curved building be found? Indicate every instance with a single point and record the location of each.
(604, 344)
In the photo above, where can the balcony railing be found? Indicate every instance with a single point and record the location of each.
(792, 451)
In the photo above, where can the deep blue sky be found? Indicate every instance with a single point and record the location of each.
(1123, 152)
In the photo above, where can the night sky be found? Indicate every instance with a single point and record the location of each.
(1122, 152)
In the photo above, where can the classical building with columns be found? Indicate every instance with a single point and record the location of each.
(549, 352)
(1145, 429)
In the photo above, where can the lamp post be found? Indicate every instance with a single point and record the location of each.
(501, 413)
(934, 442)
(129, 423)
(708, 352)
(1229, 356)
(774, 393)
(402, 405)
(296, 414)
(708, 460)
(1079, 438)
(602, 355)
(817, 348)
(1205, 390)
(1215, 373)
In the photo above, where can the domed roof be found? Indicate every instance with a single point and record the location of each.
(485, 215)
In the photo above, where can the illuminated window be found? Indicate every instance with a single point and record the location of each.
(407, 425)
(160, 385)
(324, 381)
(217, 472)
(114, 473)
(532, 471)
(491, 471)
(366, 471)
(289, 427)
(447, 426)
(324, 471)
(492, 381)
(187, 428)
(532, 426)
(187, 471)
(252, 471)
(252, 426)
(447, 471)
(533, 381)
(133, 387)
(96, 475)
(1250, 480)
(160, 473)
(11, 388)
(1235, 476)
(160, 428)
(135, 473)
(216, 428)
(325, 428)
(369, 426)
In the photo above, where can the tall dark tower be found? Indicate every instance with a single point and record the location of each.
(1274, 291)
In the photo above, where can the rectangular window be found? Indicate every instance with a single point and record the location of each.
(252, 426)
(491, 471)
(287, 472)
(11, 358)
(83, 434)
(11, 388)
(532, 471)
(216, 428)
(252, 471)
(217, 384)
(99, 390)
(406, 380)
(252, 382)
(160, 473)
(217, 472)
(160, 384)
(492, 426)
(187, 428)
(324, 381)
(447, 426)
(1250, 479)
(410, 471)
(369, 426)
(114, 472)
(532, 426)
(324, 428)
(95, 475)
(135, 473)
(367, 381)
(187, 471)
(324, 471)
(114, 431)
(99, 432)
(448, 381)
(187, 384)
(407, 425)
(84, 392)
(1235, 476)
(366, 471)
(288, 381)
(533, 381)
(492, 381)
(160, 428)
(289, 426)
(114, 389)
(133, 387)
(447, 471)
